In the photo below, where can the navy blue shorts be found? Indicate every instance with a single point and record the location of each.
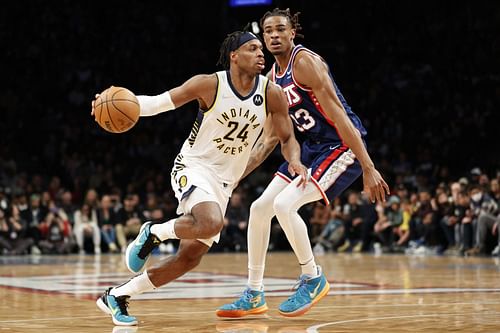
(334, 167)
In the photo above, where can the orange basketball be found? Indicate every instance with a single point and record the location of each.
(116, 109)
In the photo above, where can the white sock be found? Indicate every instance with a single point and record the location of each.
(255, 278)
(165, 230)
(137, 285)
(310, 268)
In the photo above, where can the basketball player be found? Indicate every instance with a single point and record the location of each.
(333, 150)
(235, 106)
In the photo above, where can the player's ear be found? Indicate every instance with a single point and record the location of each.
(233, 55)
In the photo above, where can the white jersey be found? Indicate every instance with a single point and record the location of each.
(222, 137)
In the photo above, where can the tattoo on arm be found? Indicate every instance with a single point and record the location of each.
(263, 148)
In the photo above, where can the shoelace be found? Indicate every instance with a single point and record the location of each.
(122, 302)
(299, 283)
(300, 287)
(246, 296)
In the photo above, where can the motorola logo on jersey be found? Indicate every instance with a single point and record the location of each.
(292, 96)
(258, 100)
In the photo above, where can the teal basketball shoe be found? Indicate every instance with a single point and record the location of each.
(251, 302)
(117, 308)
(139, 251)
(309, 291)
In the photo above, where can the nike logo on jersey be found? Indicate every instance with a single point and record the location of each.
(334, 147)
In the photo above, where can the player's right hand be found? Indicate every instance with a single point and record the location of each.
(297, 168)
(93, 104)
(374, 186)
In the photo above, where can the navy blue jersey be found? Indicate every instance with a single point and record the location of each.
(304, 108)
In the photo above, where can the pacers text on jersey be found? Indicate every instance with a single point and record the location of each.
(238, 122)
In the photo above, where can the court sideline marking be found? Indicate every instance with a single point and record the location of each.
(314, 329)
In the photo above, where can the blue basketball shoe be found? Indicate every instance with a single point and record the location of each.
(251, 302)
(139, 251)
(310, 290)
(117, 308)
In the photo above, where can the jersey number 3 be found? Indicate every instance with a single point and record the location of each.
(307, 122)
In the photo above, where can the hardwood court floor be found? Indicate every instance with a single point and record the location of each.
(369, 293)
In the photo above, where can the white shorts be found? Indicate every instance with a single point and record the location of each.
(194, 186)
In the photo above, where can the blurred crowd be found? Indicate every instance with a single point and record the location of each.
(424, 80)
(460, 217)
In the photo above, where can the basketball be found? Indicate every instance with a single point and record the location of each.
(116, 109)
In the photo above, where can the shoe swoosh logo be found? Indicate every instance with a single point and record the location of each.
(315, 291)
(255, 301)
(114, 311)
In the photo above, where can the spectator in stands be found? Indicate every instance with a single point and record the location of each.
(34, 214)
(67, 205)
(106, 218)
(352, 217)
(390, 217)
(92, 199)
(464, 214)
(403, 230)
(129, 220)
(150, 205)
(319, 218)
(486, 213)
(237, 222)
(13, 237)
(56, 236)
(425, 218)
(5, 246)
(494, 190)
(332, 233)
(450, 218)
(4, 200)
(86, 226)
(444, 210)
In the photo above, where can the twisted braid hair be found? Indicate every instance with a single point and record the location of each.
(225, 48)
(292, 18)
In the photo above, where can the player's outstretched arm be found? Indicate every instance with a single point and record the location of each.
(283, 128)
(200, 87)
(312, 72)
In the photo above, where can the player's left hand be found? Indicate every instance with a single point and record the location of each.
(297, 168)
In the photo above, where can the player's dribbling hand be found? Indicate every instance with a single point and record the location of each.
(374, 185)
(297, 168)
(93, 104)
